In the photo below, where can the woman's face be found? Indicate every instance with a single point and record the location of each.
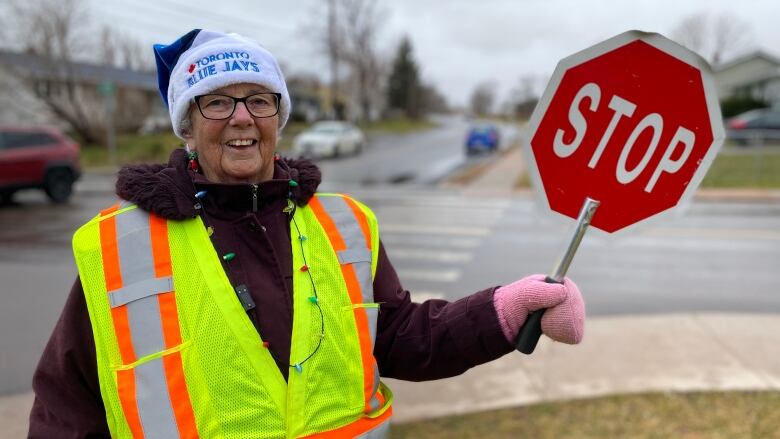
(239, 149)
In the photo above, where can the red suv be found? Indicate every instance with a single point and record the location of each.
(37, 157)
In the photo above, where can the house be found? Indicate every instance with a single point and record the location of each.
(28, 81)
(755, 75)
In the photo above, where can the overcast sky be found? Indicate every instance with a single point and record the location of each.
(457, 43)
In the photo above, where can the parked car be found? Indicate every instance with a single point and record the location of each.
(329, 139)
(37, 157)
(482, 138)
(755, 126)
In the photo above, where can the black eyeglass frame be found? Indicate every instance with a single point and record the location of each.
(235, 104)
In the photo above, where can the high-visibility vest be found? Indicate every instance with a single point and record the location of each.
(177, 355)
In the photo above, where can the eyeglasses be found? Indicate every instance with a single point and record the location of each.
(218, 107)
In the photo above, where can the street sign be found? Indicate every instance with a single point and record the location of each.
(629, 127)
(632, 122)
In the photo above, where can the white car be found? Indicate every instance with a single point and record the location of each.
(329, 139)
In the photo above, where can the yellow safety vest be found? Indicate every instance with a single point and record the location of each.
(177, 355)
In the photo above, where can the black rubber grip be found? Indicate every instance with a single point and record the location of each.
(532, 328)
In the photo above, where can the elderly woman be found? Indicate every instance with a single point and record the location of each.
(224, 297)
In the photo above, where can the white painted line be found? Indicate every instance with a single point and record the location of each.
(422, 296)
(428, 255)
(429, 275)
(396, 239)
(437, 230)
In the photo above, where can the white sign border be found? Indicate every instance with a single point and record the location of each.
(667, 46)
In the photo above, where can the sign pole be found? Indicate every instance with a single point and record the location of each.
(532, 329)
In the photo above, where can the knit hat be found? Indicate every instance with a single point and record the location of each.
(202, 61)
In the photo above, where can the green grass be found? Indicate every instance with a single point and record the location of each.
(149, 148)
(749, 167)
(396, 126)
(648, 416)
(734, 167)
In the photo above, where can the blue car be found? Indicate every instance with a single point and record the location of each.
(482, 138)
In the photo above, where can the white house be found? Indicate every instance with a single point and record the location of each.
(755, 74)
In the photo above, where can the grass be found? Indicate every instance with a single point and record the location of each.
(752, 167)
(734, 167)
(646, 416)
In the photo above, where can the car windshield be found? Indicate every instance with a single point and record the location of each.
(327, 127)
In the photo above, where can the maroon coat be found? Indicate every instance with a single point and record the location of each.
(415, 341)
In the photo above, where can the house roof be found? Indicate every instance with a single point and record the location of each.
(747, 57)
(42, 68)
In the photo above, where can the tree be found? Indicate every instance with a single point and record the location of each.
(483, 99)
(360, 25)
(403, 88)
(60, 38)
(712, 37)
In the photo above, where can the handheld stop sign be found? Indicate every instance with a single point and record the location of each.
(625, 130)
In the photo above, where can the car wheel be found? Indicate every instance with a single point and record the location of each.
(58, 185)
(6, 197)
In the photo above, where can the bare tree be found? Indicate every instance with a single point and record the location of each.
(346, 32)
(483, 98)
(360, 24)
(713, 37)
(53, 30)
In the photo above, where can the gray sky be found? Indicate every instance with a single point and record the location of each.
(458, 43)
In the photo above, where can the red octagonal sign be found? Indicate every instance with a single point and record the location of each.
(632, 122)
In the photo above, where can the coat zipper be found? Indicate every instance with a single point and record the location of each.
(254, 198)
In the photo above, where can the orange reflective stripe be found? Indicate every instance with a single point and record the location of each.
(336, 241)
(158, 229)
(356, 428)
(122, 331)
(355, 296)
(361, 219)
(110, 251)
(180, 398)
(125, 379)
(125, 383)
(169, 317)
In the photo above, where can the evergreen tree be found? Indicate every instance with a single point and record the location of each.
(403, 90)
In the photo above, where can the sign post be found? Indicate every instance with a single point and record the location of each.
(630, 126)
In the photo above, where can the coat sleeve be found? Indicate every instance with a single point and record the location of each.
(434, 339)
(67, 392)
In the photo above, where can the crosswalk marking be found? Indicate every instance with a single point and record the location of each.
(429, 255)
(437, 230)
(423, 295)
(445, 275)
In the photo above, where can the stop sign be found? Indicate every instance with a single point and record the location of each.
(632, 122)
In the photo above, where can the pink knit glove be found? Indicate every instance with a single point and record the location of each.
(564, 320)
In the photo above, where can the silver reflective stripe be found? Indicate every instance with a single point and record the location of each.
(139, 290)
(344, 219)
(136, 264)
(359, 255)
(379, 432)
(154, 408)
(351, 255)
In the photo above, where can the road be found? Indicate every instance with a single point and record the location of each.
(444, 244)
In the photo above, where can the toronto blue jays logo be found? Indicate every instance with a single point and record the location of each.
(221, 62)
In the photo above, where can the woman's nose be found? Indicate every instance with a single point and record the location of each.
(241, 115)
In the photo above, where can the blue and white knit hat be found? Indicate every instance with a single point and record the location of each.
(203, 61)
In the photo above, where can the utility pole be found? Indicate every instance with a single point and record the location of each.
(334, 57)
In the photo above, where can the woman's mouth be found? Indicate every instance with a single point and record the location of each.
(240, 143)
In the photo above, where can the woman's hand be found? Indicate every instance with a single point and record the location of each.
(564, 320)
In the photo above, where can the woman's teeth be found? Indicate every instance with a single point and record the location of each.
(242, 142)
